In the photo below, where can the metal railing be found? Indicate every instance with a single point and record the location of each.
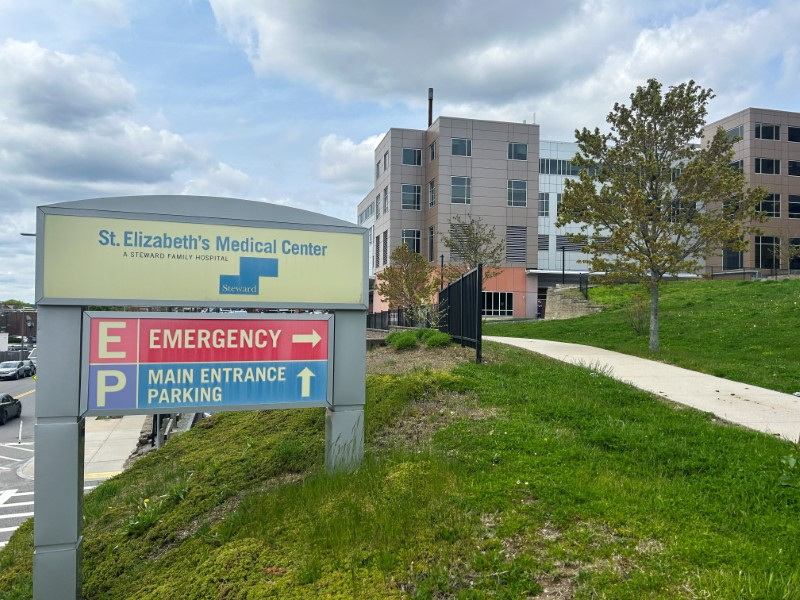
(461, 307)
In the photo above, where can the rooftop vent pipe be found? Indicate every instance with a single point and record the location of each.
(430, 107)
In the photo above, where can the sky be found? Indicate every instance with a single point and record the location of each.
(284, 101)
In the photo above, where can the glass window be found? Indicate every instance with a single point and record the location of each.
(385, 247)
(410, 196)
(771, 205)
(517, 151)
(794, 134)
(768, 166)
(794, 253)
(736, 132)
(768, 252)
(768, 131)
(431, 243)
(544, 204)
(432, 192)
(498, 304)
(432, 151)
(412, 156)
(377, 170)
(411, 239)
(377, 206)
(731, 259)
(794, 206)
(385, 199)
(377, 251)
(385, 160)
(517, 192)
(461, 190)
(737, 165)
(462, 147)
(794, 168)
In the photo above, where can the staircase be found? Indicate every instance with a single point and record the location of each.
(565, 301)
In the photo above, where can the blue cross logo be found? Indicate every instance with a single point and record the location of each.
(250, 270)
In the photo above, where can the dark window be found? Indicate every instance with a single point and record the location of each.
(768, 131)
(385, 247)
(410, 196)
(731, 259)
(411, 239)
(412, 156)
(516, 242)
(794, 253)
(737, 165)
(794, 206)
(736, 132)
(517, 192)
(461, 147)
(768, 166)
(432, 192)
(794, 134)
(377, 251)
(517, 151)
(432, 151)
(385, 160)
(431, 242)
(461, 190)
(794, 168)
(498, 304)
(377, 206)
(768, 252)
(385, 200)
(771, 205)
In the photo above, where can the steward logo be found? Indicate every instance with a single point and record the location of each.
(250, 271)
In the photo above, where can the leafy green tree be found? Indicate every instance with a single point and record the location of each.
(15, 303)
(408, 282)
(655, 203)
(471, 242)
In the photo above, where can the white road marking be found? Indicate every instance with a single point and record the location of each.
(11, 458)
(16, 515)
(19, 446)
(18, 504)
(6, 495)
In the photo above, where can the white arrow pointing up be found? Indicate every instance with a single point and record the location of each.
(312, 338)
(305, 380)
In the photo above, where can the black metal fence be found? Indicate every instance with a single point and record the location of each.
(461, 307)
(402, 318)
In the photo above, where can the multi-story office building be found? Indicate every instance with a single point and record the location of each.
(768, 152)
(487, 169)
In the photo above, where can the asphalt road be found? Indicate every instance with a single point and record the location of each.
(16, 493)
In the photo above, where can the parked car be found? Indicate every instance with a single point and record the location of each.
(10, 407)
(32, 356)
(30, 367)
(12, 369)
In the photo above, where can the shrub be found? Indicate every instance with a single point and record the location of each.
(402, 340)
(438, 339)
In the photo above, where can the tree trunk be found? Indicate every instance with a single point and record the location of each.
(654, 341)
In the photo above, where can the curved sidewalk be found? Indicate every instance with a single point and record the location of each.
(753, 407)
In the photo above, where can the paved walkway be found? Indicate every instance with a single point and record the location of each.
(107, 445)
(757, 408)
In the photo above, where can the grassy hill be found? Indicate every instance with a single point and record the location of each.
(740, 330)
(520, 477)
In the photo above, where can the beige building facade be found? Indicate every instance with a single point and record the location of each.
(768, 153)
(487, 169)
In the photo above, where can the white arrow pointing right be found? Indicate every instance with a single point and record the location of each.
(312, 338)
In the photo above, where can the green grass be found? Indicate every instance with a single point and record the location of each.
(744, 331)
(540, 474)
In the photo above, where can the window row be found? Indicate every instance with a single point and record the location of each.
(766, 131)
(772, 166)
(460, 193)
(381, 249)
(771, 206)
(767, 254)
(558, 166)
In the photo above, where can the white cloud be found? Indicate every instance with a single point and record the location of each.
(347, 164)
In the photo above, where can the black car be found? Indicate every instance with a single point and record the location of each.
(30, 368)
(10, 407)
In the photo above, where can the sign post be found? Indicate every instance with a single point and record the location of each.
(196, 252)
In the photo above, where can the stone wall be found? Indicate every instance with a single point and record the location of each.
(566, 302)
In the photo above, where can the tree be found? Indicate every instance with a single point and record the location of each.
(471, 243)
(655, 203)
(407, 282)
